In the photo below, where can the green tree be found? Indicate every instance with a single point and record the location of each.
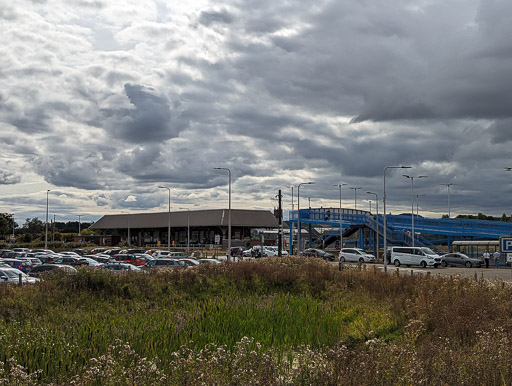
(33, 226)
(6, 224)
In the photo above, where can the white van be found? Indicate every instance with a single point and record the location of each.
(421, 256)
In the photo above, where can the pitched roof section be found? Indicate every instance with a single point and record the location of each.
(198, 218)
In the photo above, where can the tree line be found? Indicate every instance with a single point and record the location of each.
(34, 228)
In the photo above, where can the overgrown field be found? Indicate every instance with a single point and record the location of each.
(280, 321)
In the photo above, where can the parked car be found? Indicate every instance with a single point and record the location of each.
(32, 260)
(209, 261)
(190, 262)
(12, 276)
(21, 250)
(164, 263)
(120, 267)
(112, 252)
(237, 251)
(48, 259)
(90, 262)
(69, 260)
(43, 251)
(315, 252)
(4, 251)
(136, 251)
(255, 251)
(408, 256)
(69, 253)
(98, 250)
(356, 255)
(459, 259)
(46, 268)
(275, 250)
(170, 255)
(13, 255)
(145, 256)
(130, 259)
(103, 259)
(23, 266)
(80, 251)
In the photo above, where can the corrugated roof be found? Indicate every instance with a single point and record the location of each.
(198, 218)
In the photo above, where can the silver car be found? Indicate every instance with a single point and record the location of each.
(12, 276)
(356, 255)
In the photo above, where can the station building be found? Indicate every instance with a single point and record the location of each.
(206, 227)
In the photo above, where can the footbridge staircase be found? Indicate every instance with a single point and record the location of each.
(429, 232)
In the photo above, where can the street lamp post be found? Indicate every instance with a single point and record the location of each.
(448, 186)
(299, 247)
(384, 202)
(377, 218)
(355, 196)
(46, 231)
(341, 217)
(418, 203)
(79, 225)
(412, 202)
(229, 214)
(169, 225)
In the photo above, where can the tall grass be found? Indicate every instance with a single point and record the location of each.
(305, 321)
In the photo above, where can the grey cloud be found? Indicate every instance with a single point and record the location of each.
(9, 178)
(150, 121)
(501, 131)
(209, 17)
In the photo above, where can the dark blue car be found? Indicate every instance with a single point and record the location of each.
(23, 266)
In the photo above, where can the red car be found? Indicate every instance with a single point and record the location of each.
(130, 259)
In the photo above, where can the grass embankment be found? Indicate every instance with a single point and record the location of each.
(304, 322)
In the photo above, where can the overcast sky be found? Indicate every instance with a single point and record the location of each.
(102, 101)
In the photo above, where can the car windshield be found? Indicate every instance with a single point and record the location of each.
(428, 251)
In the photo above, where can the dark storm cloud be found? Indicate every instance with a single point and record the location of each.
(151, 119)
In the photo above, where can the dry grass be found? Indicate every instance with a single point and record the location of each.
(266, 322)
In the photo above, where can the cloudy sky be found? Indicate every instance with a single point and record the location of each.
(102, 101)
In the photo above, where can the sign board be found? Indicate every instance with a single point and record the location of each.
(217, 239)
(506, 244)
(509, 257)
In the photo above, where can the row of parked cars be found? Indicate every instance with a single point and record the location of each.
(29, 265)
(408, 256)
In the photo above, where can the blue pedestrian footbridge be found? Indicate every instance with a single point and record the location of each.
(429, 232)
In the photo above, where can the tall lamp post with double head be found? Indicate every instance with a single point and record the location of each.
(299, 247)
(46, 227)
(376, 218)
(384, 202)
(412, 202)
(169, 225)
(355, 196)
(448, 186)
(229, 213)
(341, 217)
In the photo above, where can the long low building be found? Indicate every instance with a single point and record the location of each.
(205, 227)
